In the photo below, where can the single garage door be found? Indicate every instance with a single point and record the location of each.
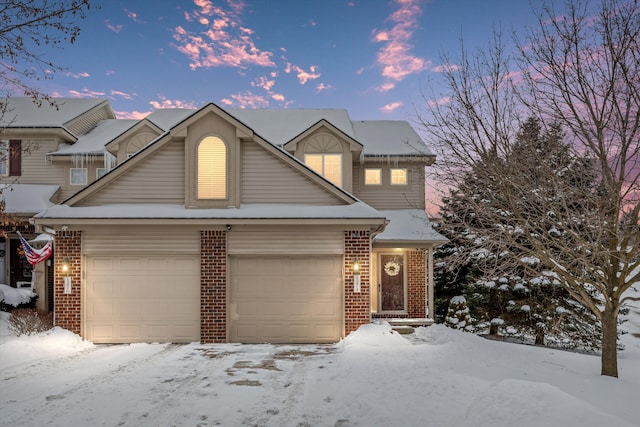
(285, 299)
(142, 299)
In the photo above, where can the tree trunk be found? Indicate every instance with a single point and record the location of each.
(539, 336)
(609, 358)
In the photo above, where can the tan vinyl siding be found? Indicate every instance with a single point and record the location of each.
(36, 167)
(387, 196)
(88, 121)
(265, 179)
(159, 179)
(137, 240)
(284, 240)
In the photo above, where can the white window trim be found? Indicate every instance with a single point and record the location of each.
(71, 176)
(4, 156)
(379, 176)
(406, 174)
(322, 173)
(98, 176)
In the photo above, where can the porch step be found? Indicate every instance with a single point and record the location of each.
(406, 326)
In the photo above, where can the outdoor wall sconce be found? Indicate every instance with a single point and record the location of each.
(356, 276)
(66, 265)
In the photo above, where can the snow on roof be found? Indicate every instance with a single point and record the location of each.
(27, 198)
(358, 210)
(95, 140)
(409, 225)
(166, 118)
(281, 126)
(23, 112)
(389, 137)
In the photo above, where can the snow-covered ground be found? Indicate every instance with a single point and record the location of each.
(437, 376)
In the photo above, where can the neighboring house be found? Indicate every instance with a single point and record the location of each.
(219, 225)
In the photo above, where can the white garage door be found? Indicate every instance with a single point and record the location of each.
(285, 299)
(142, 299)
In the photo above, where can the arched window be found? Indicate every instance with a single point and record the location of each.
(323, 154)
(212, 169)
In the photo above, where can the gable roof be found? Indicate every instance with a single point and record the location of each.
(408, 227)
(389, 137)
(23, 112)
(94, 141)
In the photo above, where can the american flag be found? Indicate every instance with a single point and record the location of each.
(35, 256)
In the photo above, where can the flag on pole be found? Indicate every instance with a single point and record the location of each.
(35, 256)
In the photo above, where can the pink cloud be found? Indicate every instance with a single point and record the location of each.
(278, 97)
(134, 17)
(132, 115)
(86, 93)
(322, 87)
(389, 108)
(77, 75)
(446, 68)
(163, 102)
(442, 101)
(303, 76)
(124, 95)
(395, 57)
(385, 87)
(245, 100)
(114, 28)
(222, 42)
(264, 83)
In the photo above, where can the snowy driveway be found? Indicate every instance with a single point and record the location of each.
(158, 385)
(374, 377)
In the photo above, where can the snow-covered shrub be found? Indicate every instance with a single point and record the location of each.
(12, 298)
(458, 314)
(26, 321)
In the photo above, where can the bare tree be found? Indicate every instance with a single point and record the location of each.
(581, 69)
(25, 27)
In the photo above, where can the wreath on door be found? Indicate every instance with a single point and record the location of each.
(392, 268)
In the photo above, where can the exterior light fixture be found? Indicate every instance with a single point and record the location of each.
(66, 265)
(356, 276)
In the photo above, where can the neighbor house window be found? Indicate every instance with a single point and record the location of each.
(373, 176)
(212, 169)
(327, 165)
(398, 176)
(100, 172)
(10, 158)
(78, 176)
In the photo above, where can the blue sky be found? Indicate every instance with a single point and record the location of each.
(371, 57)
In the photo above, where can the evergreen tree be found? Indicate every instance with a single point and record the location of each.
(505, 289)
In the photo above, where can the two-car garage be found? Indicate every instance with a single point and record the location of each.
(276, 296)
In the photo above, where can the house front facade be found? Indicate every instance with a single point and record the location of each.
(216, 225)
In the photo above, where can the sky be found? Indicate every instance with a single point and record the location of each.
(374, 58)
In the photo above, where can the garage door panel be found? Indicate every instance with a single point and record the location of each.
(285, 299)
(141, 299)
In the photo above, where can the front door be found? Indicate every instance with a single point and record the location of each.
(392, 289)
(20, 270)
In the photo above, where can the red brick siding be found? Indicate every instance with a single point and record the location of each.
(356, 304)
(416, 288)
(67, 309)
(213, 286)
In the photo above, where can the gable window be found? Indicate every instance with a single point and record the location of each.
(10, 158)
(212, 169)
(398, 176)
(372, 176)
(327, 165)
(78, 176)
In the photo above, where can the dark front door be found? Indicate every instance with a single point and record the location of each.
(20, 268)
(392, 282)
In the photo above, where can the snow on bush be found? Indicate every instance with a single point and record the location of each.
(375, 335)
(14, 297)
(458, 313)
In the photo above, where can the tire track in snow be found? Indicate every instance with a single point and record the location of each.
(59, 401)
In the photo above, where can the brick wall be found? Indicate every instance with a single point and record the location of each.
(67, 310)
(356, 304)
(213, 286)
(416, 286)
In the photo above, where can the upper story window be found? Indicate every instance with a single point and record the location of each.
(212, 169)
(10, 158)
(398, 176)
(78, 176)
(100, 172)
(323, 154)
(372, 176)
(327, 165)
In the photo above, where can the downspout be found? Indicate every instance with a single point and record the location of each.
(429, 280)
